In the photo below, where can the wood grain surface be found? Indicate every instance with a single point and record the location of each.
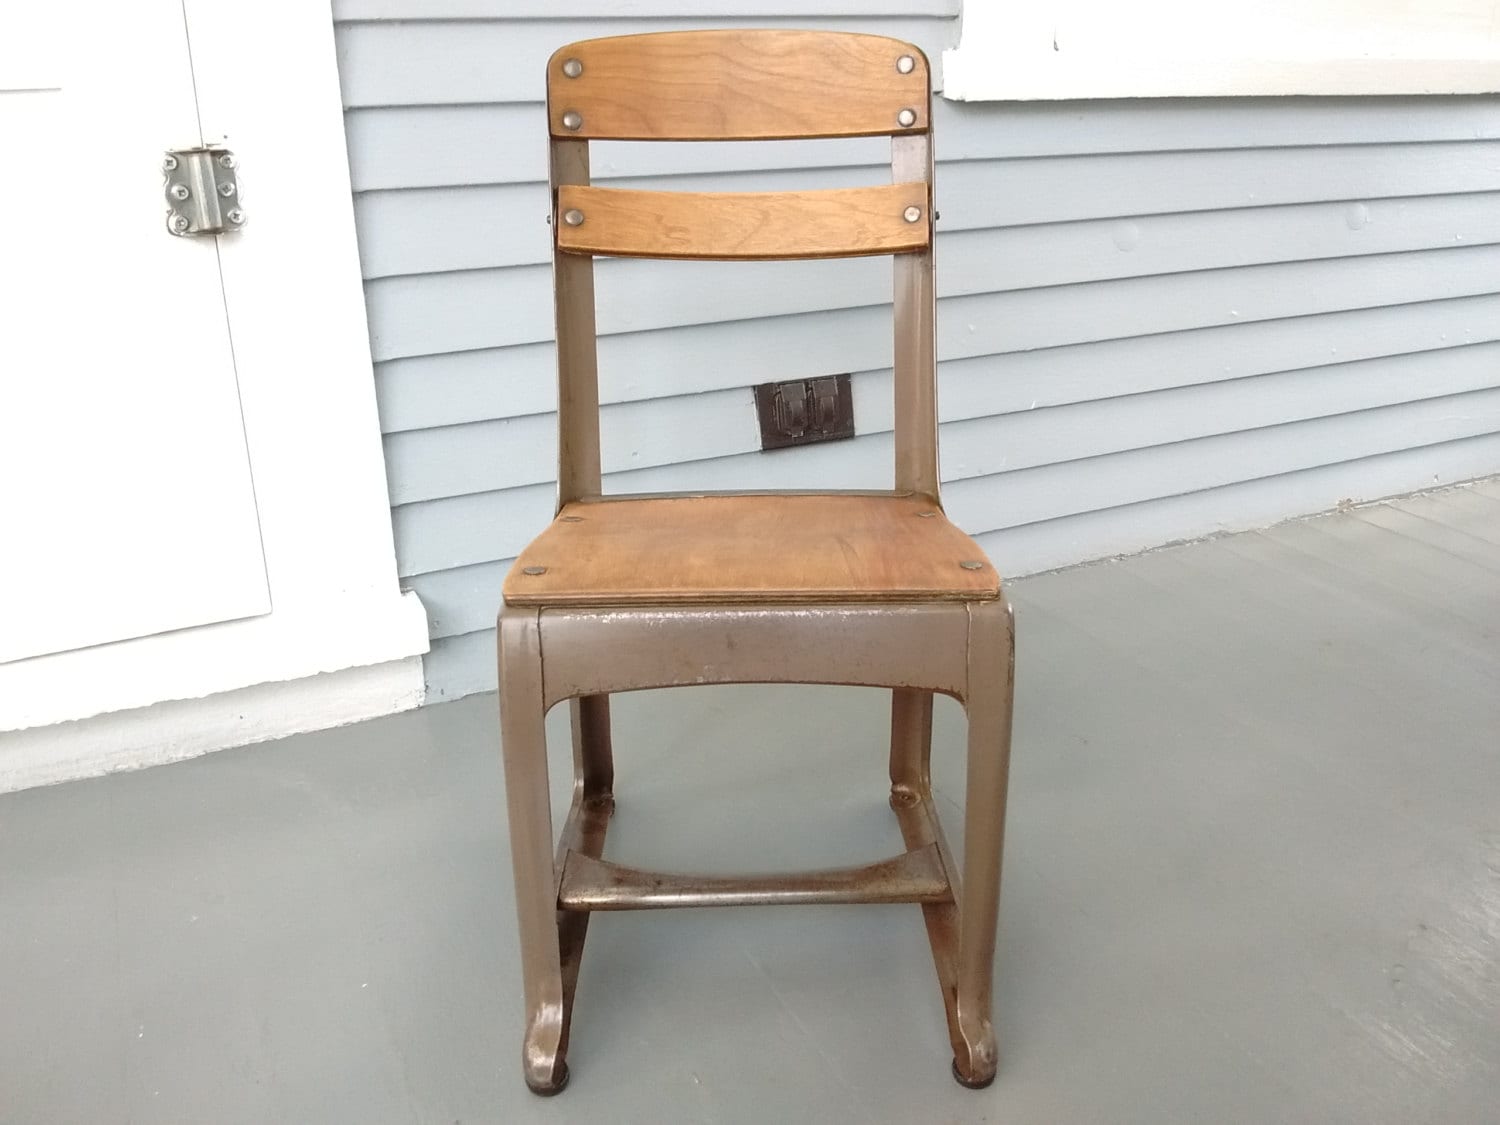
(838, 223)
(737, 85)
(750, 548)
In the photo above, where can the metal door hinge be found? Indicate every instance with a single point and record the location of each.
(203, 193)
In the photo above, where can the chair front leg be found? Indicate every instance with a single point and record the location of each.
(991, 681)
(524, 746)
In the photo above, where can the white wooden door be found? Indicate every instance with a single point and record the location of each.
(127, 506)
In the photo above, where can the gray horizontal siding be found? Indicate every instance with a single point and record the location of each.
(350, 11)
(435, 230)
(1156, 319)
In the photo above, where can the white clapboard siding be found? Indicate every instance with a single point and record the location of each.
(512, 452)
(1158, 319)
(352, 11)
(427, 146)
(432, 230)
(650, 345)
(437, 63)
(432, 391)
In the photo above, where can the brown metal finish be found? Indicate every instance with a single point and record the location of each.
(875, 589)
(915, 359)
(577, 347)
(592, 884)
(626, 649)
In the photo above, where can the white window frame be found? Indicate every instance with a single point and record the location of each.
(267, 83)
(1021, 50)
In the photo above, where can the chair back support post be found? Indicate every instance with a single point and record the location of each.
(578, 472)
(727, 86)
(915, 309)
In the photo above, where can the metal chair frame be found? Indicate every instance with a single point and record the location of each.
(555, 652)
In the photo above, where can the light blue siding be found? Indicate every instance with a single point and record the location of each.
(1157, 319)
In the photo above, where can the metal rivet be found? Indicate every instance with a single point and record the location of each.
(926, 515)
(180, 191)
(906, 118)
(169, 163)
(179, 223)
(226, 161)
(906, 64)
(226, 190)
(573, 120)
(573, 218)
(971, 564)
(572, 68)
(236, 216)
(533, 570)
(912, 214)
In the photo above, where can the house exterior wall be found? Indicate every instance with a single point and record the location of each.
(1157, 319)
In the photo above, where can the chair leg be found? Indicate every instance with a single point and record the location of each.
(524, 747)
(911, 745)
(991, 681)
(593, 753)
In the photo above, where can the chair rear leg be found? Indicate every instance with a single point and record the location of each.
(990, 691)
(524, 747)
(593, 752)
(911, 745)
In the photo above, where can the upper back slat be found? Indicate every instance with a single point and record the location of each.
(736, 85)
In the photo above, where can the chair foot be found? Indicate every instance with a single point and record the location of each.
(544, 1054)
(976, 1058)
(560, 1083)
(978, 1083)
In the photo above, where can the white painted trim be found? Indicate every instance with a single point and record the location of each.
(190, 663)
(267, 83)
(1019, 50)
(973, 74)
(171, 732)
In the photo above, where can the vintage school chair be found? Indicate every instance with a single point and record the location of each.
(872, 588)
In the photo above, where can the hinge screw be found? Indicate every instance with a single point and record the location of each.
(906, 118)
(236, 216)
(572, 120)
(906, 64)
(574, 217)
(178, 224)
(572, 68)
(226, 190)
(227, 160)
(169, 163)
(180, 191)
(912, 214)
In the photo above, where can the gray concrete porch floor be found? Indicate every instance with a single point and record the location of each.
(1252, 874)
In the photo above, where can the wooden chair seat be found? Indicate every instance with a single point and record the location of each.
(789, 548)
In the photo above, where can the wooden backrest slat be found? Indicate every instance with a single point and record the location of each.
(737, 85)
(741, 85)
(743, 226)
